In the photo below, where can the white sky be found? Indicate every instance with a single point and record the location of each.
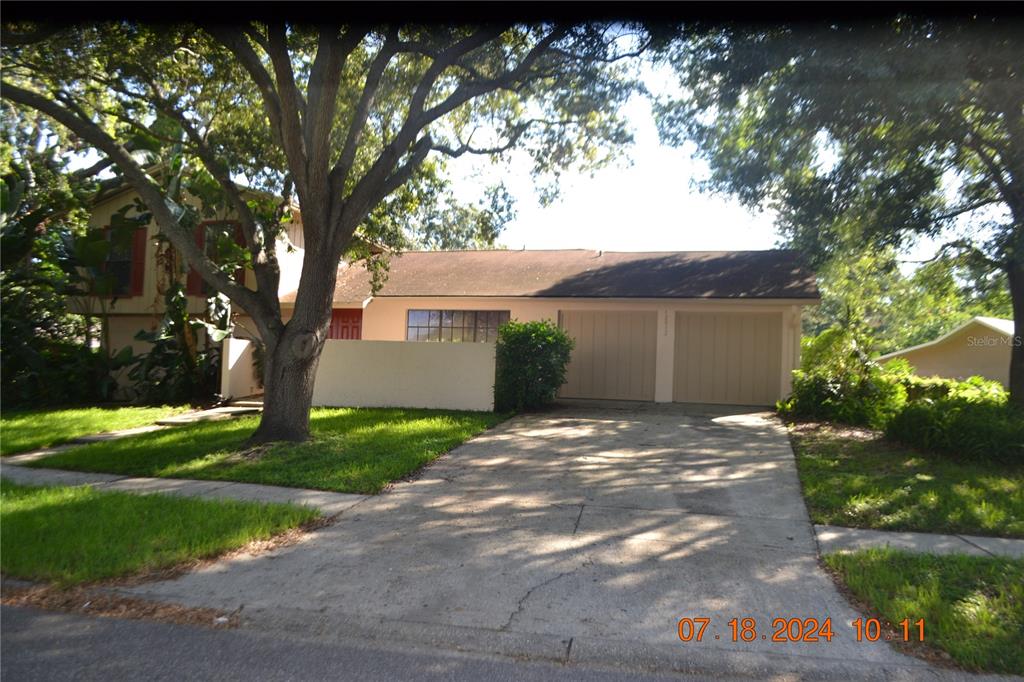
(644, 203)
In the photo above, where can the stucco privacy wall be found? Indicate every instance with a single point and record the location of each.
(384, 318)
(454, 376)
(974, 350)
(237, 375)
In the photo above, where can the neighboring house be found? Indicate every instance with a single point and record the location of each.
(979, 347)
(700, 327)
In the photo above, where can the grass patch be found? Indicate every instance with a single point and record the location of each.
(357, 450)
(72, 535)
(855, 478)
(973, 607)
(32, 429)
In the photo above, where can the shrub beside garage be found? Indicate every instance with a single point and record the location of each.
(531, 360)
(969, 419)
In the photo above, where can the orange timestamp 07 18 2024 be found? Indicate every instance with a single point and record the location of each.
(799, 630)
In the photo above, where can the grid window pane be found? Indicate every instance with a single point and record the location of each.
(454, 326)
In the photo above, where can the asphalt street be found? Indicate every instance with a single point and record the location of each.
(45, 645)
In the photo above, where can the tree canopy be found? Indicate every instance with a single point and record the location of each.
(866, 135)
(353, 122)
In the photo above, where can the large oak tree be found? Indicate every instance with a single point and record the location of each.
(867, 135)
(347, 118)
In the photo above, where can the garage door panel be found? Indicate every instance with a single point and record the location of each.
(614, 354)
(728, 358)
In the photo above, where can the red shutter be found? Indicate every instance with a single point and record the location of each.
(194, 284)
(138, 261)
(346, 323)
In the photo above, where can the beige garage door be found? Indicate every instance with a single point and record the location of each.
(614, 354)
(728, 358)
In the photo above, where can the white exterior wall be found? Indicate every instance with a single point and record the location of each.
(454, 376)
(237, 373)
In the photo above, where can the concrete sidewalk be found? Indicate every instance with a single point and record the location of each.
(327, 502)
(838, 539)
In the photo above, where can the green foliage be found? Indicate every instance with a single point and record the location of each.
(852, 130)
(973, 607)
(961, 427)
(973, 389)
(80, 534)
(531, 361)
(970, 419)
(176, 369)
(40, 211)
(867, 290)
(867, 138)
(839, 382)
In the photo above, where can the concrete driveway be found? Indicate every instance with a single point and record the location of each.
(580, 535)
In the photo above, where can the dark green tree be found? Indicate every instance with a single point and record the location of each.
(867, 135)
(344, 117)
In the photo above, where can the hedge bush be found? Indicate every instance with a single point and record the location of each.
(839, 382)
(962, 428)
(969, 419)
(531, 360)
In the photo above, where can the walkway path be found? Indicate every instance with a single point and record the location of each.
(836, 538)
(327, 502)
(212, 414)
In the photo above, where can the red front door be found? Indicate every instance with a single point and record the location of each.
(346, 323)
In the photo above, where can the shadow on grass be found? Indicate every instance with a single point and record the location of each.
(352, 450)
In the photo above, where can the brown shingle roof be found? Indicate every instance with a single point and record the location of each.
(587, 274)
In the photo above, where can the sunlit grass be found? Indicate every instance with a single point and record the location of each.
(973, 607)
(78, 534)
(871, 483)
(352, 450)
(29, 430)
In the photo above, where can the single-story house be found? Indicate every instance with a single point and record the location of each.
(700, 327)
(979, 347)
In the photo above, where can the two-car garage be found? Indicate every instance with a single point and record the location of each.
(715, 327)
(716, 357)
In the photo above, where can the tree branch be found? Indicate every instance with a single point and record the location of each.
(292, 107)
(322, 90)
(960, 210)
(339, 174)
(151, 196)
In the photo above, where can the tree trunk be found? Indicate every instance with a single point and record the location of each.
(289, 369)
(291, 360)
(1015, 274)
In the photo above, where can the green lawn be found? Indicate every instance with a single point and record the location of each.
(973, 607)
(855, 478)
(74, 535)
(32, 429)
(353, 450)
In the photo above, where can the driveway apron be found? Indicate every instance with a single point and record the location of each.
(583, 533)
